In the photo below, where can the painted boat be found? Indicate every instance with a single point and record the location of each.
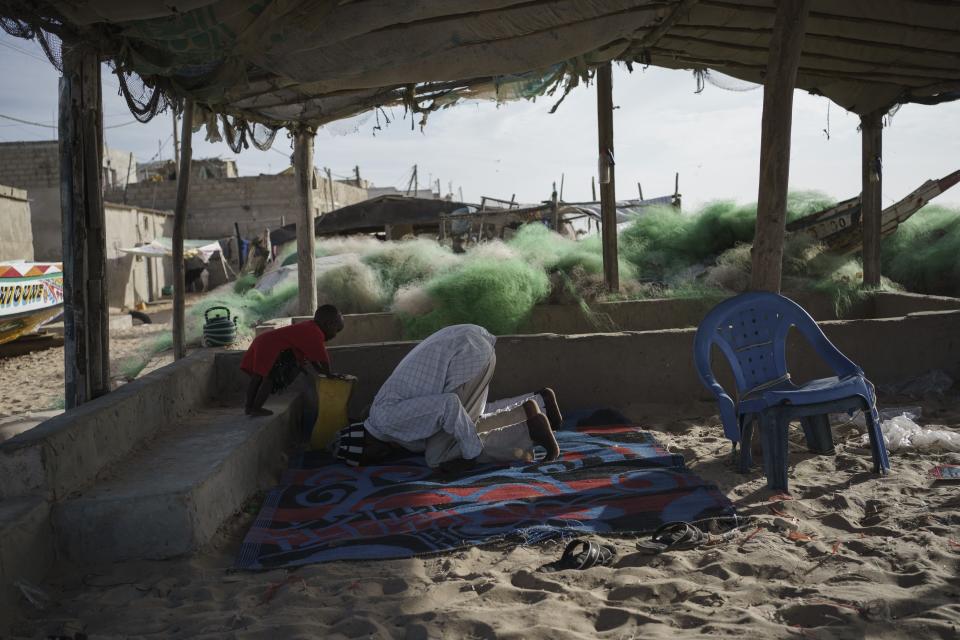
(840, 227)
(31, 294)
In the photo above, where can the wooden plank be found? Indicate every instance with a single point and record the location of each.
(179, 230)
(306, 237)
(783, 60)
(608, 192)
(86, 340)
(871, 132)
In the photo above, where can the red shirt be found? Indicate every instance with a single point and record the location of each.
(305, 339)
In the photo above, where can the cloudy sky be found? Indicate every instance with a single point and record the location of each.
(661, 126)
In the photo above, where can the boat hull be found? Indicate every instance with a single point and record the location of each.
(31, 294)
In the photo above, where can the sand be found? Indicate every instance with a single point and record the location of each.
(34, 381)
(869, 558)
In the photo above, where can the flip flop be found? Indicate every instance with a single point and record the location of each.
(673, 536)
(582, 554)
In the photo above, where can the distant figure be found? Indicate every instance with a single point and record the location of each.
(277, 357)
(194, 268)
(433, 401)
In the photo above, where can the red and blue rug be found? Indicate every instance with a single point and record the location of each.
(610, 480)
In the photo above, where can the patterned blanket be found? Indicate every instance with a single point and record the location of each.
(610, 479)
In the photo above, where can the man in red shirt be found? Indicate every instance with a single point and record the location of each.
(275, 358)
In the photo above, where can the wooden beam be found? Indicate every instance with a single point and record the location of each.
(871, 128)
(85, 314)
(306, 238)
(179, 230)
(783, 60)
(608, 191)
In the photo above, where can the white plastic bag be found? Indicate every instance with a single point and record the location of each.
(901, 433)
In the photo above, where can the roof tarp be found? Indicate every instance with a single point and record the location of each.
(163, 248)
(285, 62)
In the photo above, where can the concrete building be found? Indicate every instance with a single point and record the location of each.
(31, 228)
(134, 279)
(16, 236)
(35, 166)
(253, 202)
(201, 169)
(425, 194)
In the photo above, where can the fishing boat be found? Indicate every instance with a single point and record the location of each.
(840, 227)
(31, 294)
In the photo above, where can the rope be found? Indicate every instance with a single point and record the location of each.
(50, 126)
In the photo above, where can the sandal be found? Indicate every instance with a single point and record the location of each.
(673, 536)
(583, 554)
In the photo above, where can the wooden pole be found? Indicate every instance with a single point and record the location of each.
(871, 128)
(306, 240)
(786, 41)
(554, 210)
(179, 230)
(236, 228)
(85, 315)
(176, 144)
(333, 204)
(608, 192)
(593, 188)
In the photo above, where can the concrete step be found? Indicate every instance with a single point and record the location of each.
(70, 450)
(26, 550)
(170, 497)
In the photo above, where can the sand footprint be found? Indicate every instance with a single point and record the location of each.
(526, 580)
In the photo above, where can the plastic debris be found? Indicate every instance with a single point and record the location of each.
(857, 418)
(901, 433)
(946, 472)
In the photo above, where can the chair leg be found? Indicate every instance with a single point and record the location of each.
(773, 430)
(816, 430)
(881, 464)
(746, 439)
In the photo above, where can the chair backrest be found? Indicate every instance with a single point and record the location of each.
(751, 330)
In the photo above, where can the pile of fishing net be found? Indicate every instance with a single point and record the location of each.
(663, 254)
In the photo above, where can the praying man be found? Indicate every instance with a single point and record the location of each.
(435, 403)
(277, 357)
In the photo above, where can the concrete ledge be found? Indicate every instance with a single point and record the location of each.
(892, 304)
(171, 498)
(26, 550)
(639, 315)
(67, 452)
(628, 368)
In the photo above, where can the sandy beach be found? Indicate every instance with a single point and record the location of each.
(845, 555)
(39, 375)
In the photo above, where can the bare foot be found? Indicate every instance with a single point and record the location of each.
(540, 432)
(257, 413)
(551, 407)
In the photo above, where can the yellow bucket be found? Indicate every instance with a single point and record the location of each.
(333, 396)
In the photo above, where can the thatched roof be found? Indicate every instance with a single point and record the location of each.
(290, 62)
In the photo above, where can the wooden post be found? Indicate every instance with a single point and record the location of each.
(871, 128)
(608, 192)
(783, 59)
(176, 144)
(306, 239)
(179, 230)
(333, 204)
(554, 210)
(85, 316)
(236, 228)
(593, 188)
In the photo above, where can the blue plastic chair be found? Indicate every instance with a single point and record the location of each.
(751, 331)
